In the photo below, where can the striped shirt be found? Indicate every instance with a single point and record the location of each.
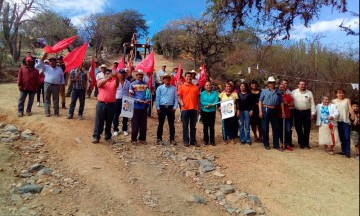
(80, 82)
(271, 98)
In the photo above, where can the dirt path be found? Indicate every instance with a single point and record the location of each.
(118, 181)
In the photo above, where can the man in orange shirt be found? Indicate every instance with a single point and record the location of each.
(188, 95)
(106, 105)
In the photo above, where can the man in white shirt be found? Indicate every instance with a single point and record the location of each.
(303, 113)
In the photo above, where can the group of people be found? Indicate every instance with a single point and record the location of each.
(338, 121)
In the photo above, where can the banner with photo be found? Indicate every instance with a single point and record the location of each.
(227, 109)
(127, 109)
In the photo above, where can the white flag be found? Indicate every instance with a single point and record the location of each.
(227, 109)
(127, 109)
(249, 69)
(355, 86)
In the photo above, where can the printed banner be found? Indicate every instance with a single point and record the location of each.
(127, 109)
(227, 109)
(355, 86)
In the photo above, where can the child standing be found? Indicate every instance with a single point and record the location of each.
(355, 126)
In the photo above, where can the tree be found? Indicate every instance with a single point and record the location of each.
(276, 16)
(14, 15)
(112, 30)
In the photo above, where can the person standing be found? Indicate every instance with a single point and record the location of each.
(166, 104)
(78, 79)
(326, 113)
(96, 71)
(188, 95)
(28, 54)
(28, 83)
(41, 88)
(285, 82)
(303, 114)
(160, 74)
(270, 102)
(122, 90)
(285, 127)
(230, 125)
(255, 121)
(245, 113)
(355, 127)
(137, 90)
(61, 64)
(152, 93)
(344, 124)
(54, 78)
(106, 105)
(208, 98)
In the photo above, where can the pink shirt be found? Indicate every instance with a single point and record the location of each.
(107, 92)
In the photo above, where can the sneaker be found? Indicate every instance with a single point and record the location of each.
(142, 142)
(126, 133)
(249, 143)
(186, 144)
(212, 143)
(38, 104)
(69, 117)
(116, 133)
(308, 147)
(134, 143)
(267, 148)
(47, 115)
(80, 117)
(95, 141)
(279, 149)
(172, 142)
(28, 113)
(57, 115)
(20, 115)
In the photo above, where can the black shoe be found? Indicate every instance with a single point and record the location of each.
(340, 153)
(159, 142)
(249, 143)
(347, 156)
(212, 143)
(69, 117)
(243, 143)
(95, 141)
(186, 144)
(302, 147)
(267, 148)
(172, 142)
(279, 149)
(308, 147)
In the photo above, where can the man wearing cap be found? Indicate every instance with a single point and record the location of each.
(188, 96)
(139, 120)
(121, 91)
(78, 78)
(61, 64)
(54, 78)
(106, 106)
(28, 83)
(270, 102)
(160, 74)
(166, 104)
(303, 113)
(96, 71)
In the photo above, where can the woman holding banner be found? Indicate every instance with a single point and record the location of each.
(208, 99)
(230, 124)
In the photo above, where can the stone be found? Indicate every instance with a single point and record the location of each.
(35, 167)
(27, 134)
(230, 210)
(45, 171)
(226, 189)
(231, 199)
(191, 174)
(16, 199)
(206, 166)
(249, 212)
(241, 195)
(14, 137)
(218, 174)
(196, 199)
(25, 174)
(219, 195)
(10, 128)
(193, 164)
(37, 145)
(211, 157)
(260, 210)
(78, 140)
(30, 188)
(255, 200)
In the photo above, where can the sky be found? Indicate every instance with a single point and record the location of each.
(158, 13)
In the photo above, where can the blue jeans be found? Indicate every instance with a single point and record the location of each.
(244, 126)
(287, 130)
(23, 95)
(189, 116)
(77, 94)
(270, 116)
(344, 135)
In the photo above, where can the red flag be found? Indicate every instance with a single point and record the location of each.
(92, 73)
(176, 79)
(60, 45)
(121, 64)
(203, 77)
(147, 64)
(75, 57)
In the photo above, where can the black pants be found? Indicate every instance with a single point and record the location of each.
(138, 124)
(208, 119)
(39, 92)
(302, 119)
(117, 115)
(170, 114)
(104, 113)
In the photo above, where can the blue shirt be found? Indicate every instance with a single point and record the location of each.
(123, 90)
(52, 75)
(271, 98)
(138, 89)
(166, 96)
(206, 99)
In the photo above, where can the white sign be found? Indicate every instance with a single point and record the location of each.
(127, 109)
(227, 109)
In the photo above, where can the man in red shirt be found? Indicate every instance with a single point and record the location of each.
(288, 103)
(29, 83)
(106, 105)
(188, 95)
